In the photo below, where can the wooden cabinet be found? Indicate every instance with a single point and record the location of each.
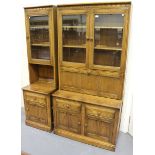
(38, 110)
(92, 51)
(90, 119)
(42, 55)
(93, 47)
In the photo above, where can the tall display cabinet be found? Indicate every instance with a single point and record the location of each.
(41, 38)
(92, 51)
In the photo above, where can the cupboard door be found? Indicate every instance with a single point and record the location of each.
(36, 108)
(72, 33)
(99, 123)
(39, 33)
(107, 37)
(68, 115)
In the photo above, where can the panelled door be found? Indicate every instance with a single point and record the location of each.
(108, 39)
(73, 33)
(68, 115)
(40, 37)
(99, 122)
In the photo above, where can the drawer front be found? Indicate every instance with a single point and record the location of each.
(38, 98)
(36, 110)
(68, 105)
(102, 113)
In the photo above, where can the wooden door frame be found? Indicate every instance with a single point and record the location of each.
(60, 50)
(124, 40)
(40, 12)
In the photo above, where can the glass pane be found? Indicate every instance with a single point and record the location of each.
(107, 57)
(39, 31)
(74, 38)
(74, 30)
(39, 52)
(108, 30)
(74, 54)
(39, 37)
(74, 20)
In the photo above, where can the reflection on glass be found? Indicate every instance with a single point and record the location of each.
(74, 29)
(74, 20)
(77, 55)
(38, 52)
(39, 31)
(108, 30)
(39, 37)
(107, 57)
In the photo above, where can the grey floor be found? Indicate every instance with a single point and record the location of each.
(37, 142)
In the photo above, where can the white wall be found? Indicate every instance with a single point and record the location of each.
(128, 82)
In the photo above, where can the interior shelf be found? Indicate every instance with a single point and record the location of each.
(44, 44)
(78, 26)
(39, 27)
(108, 27)
(75, 46)
(107, 48)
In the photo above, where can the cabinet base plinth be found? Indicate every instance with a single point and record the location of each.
(39, 126)
(84, 139)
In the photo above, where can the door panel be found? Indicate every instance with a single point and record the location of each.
(107, 39)
(40, 35)
(74, 122)
(36, 112)
(99, 123)
(73, 33)
(68, 115)
(62, 119)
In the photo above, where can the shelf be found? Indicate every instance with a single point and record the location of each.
(39, 27)
(44, 86)
(75, 46)
(45, 44)
(108, 27)
(74, 26)
(107, 48)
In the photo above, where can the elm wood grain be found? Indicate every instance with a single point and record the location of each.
(41, 86)
(84, 139)
(108, 80)
(38, 110)
(40, 11)
(95, 100)
(94, 4)
(89, 121)
(42, 71)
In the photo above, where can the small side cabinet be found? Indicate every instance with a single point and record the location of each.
(41, 37)
(87, 118)
(38, 110)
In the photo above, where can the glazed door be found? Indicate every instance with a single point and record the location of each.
(72, 35)
(99, 123)
(39, 36)
(108, 39)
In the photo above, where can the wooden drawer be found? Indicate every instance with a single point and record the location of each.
(102, 113)
(35, 98)
(68, 105)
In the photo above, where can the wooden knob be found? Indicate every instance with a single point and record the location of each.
(79, 123)
(27, 109)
